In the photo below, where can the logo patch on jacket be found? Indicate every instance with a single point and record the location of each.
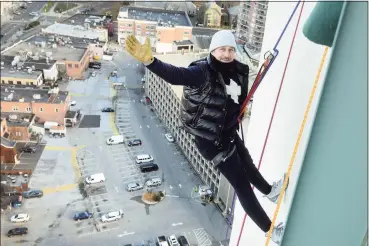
(234, 90)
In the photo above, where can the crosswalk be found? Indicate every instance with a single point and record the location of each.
(202, 237)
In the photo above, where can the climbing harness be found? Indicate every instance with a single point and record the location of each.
(269, 59)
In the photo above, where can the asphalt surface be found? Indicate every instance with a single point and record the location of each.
(19, 21)
(180, 212)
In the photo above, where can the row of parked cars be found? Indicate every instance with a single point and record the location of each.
(23, 217)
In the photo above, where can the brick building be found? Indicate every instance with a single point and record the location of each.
(162, 26)
(46, 105)
(16, 126)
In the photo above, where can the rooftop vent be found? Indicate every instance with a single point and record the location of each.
(36, 96)
(13, 117)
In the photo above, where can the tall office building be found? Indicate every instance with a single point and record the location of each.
(251, 23)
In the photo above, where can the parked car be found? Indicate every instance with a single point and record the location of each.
(82, 215)
(107, 109)
(73, 103)
(93, 74)
(95, 65)
(183, 241)
(33, 193)
(134, 186)
(134, 142)
(112, 216)
(19, 218)
(169, 137)
(20, 231)
(28, 149)
(34, 14)
(173, 240)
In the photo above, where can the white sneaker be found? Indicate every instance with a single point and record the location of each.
(277, 233)
(276, 189)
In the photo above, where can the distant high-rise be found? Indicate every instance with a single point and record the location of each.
(250, 26)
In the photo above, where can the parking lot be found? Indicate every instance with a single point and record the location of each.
(98, 201)
(123, 154)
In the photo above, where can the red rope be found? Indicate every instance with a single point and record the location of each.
(274, 109)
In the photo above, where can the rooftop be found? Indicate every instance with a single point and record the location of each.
(180, 60)
(183, 42)
(40, 47)
(7, 143)
(17, 119)
(13, 94)
(161, 16)
(14, 73)
(75, 31)
(79, 19)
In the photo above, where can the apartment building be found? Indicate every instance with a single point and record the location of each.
(46, 105)
(251, 23)
(163, 27)
(165, 99)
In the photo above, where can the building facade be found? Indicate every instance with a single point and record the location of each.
(14, 77)
(45, 105)
(163, 27)
(16, 126)
(251, 24)
(213, 15)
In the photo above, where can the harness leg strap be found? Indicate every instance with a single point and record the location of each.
(222, 156)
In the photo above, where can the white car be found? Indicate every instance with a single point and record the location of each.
(112, 216)
(93, 74)
(173, 241)
(134, 187)
(73, 103)
(19, 218)
(169, 137)
(34, 14)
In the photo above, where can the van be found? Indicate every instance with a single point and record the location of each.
(149, 167)
(49, 124)
(119, 139)
(95, 178)
(144, 159)
(153, 182)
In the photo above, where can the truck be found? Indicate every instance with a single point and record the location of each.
(58, 131)
(49, 124)
(162, 241)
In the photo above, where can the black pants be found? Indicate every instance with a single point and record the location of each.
(240, 171)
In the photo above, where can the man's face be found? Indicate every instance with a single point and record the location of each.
(224, 54)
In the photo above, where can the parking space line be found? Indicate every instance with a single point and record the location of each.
(127, 167)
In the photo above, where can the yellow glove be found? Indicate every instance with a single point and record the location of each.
(142, 52)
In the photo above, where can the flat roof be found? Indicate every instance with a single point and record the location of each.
(41, 63)
(161, 16)
(180, 60)
(34, 45)
(7, 143)
(14, 94)
(10, 72)
(79, 19)
(74, 31)
(17, 119)
(183, 42)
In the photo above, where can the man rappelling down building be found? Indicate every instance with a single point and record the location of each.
(214, 90)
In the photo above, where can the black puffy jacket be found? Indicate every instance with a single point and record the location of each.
(204, 108)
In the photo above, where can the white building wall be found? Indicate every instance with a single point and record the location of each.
(164, 47)
(52, 73)
(298, 83)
